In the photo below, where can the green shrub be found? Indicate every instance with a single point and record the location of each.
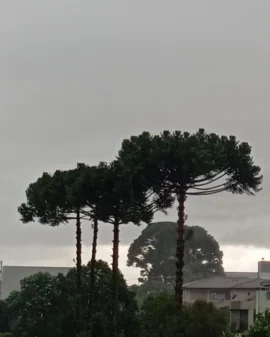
(161, 317)
(227, 334)
(261, 326)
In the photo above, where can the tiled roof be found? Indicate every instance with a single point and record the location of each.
(252, 284)
(223, 282)
(216, 282)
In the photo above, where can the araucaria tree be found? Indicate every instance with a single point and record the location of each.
(122, 202)
(89, 189)
(182, 164)
(54, 200)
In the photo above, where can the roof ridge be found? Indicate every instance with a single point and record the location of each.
(252, 280)
(241, 283)
(204, 279)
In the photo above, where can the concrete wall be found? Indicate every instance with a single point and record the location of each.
(193, 295)
(262, 301)
(219, 295)
(12, 275)
(243, 299)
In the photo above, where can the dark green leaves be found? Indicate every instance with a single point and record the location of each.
(122, 199)
(198, 163)
(106, 191)
(46, 200)
(161, 317)
(45, 305)
(154, 252)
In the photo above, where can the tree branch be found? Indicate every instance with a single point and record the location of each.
(211, 188)
(208, 192)
(210, 179)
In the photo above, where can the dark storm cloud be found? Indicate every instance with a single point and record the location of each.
(78, 77)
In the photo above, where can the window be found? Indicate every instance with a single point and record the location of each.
(219, 295)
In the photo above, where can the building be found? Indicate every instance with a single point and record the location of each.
(10, 276)
(244, 294)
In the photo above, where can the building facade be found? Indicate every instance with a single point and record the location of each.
(11, 276)
(243, 294)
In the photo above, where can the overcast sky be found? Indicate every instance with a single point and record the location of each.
(76, 77)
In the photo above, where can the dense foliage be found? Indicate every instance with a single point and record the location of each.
(45, 306)
(180, 164)
(261, 326)
(150, 173)
(4, 317)
(154, 253)
(160, 316)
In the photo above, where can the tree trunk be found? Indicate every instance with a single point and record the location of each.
(180, 245)
(78, 271)
(115, 273)
(93, 272)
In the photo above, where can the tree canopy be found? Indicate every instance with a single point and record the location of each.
(122, 202)
(56, 199)
(45, 304)
(154, 252)
(150, 173)
(194, 162)
(179, 164)
(160, 316)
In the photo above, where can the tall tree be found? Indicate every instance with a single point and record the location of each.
(122, 202)
(154, 252)
(184, 164)
(89, 188)
(54, 200)
(103, 303)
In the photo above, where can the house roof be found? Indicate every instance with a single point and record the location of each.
(252, 284)
(223, 282)
(216, 282)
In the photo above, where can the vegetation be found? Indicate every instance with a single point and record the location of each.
(161, 316)
(65, 196)
(4, 317)
(45, 307)
(261, 326)
(178, 165)
(50, 200)
(150, 173)
(122, 203)
(154, 253)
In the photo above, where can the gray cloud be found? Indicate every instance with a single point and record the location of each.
(78, 77)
